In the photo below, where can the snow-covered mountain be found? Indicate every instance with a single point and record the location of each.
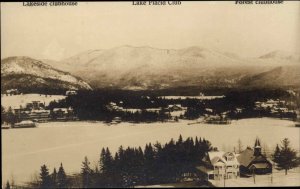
(129, 67)
(25, 72)
(138, 68)
(281, 56)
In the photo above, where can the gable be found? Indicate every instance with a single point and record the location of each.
(246, 157)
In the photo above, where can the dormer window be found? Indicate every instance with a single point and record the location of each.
(230, 157)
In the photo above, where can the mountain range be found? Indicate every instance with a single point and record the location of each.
(141, 68)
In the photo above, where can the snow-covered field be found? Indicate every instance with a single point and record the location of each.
(277, 179)
(15, 101)
(25, 150)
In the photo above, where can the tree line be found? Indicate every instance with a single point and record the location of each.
(92, 105)
(155, 164)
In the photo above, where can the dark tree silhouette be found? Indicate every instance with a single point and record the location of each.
(61, 178)
(86, 173)
(285, 156)
(46, 181)
(54, 178)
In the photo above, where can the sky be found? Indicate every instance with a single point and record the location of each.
(60, 32)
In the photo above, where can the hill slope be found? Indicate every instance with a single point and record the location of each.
(33, 75)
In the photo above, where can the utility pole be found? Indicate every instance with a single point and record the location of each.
(225, 175)
(272, 173)
(253, 175)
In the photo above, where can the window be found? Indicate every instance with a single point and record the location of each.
(230, 157)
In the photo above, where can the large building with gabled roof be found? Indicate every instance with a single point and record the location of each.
(220, 165)
(253, 161)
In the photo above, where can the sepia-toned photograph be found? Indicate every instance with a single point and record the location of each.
(150, 94)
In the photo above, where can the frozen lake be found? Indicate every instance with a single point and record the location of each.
(25, 150)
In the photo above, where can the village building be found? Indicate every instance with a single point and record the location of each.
(12, 92)
(219, 165)
(253, 161)
(175, 107)
(33, 111)
(63, 114)
(176, 110)
(71, 92)
(24, 124)
(217, 119)
(39, 115)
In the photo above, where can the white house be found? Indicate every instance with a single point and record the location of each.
(71, 92)
(219, 164)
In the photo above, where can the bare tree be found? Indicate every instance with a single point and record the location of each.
(240, 146)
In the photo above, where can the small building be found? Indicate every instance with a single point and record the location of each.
(175, 107)
(112, 106)
(252, 161)
(71, 92)
(216, 119)
(63, 114)
(12, 91)
(219, 165)
(35, 105)
(39, 115)
(209, 110)
(24, 124)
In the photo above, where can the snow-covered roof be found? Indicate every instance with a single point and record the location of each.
(218, 157)
(40, 111)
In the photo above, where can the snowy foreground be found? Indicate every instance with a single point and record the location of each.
(279, 179)
(25, 150)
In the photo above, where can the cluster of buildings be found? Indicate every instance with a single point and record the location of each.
(217, 119)
(174, 110)
(35, 111)
(275, 106)
(229, 165)
(12, 92)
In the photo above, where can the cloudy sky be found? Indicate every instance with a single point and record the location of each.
(59, 32)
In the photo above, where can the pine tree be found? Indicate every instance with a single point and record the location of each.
(46, 181)
(86, 173)
(276, 154)
(7, 185)
(180, 140)
(54, 177)
(285, 157)
(149, 163)
(10, 116)
(61, 177)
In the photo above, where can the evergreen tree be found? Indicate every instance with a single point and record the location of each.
(46, 181)
(285, 157)
(10, 116)
(54, 177)
(276, 154)
(7, 185)
(149, 163)
(86, 173)
(106, 161)
(61, 177)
